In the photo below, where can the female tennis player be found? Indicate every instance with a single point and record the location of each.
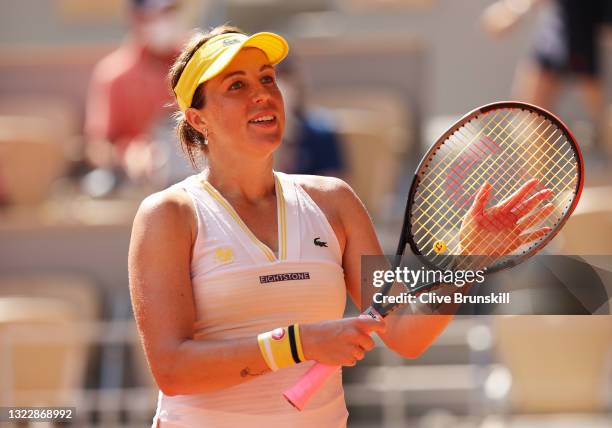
(239, 274)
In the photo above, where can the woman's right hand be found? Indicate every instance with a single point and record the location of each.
(339, 342)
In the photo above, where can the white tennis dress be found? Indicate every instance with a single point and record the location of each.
(241, 288)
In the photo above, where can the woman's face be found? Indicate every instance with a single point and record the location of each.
(244, 109)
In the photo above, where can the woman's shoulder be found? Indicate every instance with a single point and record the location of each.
(332, 189)
(331, 194)
(171, 207)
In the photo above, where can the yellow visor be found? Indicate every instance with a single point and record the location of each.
(213, 56)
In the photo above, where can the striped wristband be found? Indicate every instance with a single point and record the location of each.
(281, 347)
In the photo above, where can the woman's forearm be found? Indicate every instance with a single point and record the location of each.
(197, 366)
(412, 334)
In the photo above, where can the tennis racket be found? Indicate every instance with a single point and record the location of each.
(509, 156)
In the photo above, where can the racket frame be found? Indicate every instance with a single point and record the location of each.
(406, 237)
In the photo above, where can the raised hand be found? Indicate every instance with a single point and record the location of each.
(501, 229)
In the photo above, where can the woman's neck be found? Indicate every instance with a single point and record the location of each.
(251, 180)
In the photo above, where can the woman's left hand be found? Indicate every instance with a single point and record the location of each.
(503, 228)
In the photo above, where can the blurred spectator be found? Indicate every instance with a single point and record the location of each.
(129, 93)
(566, 44)
(310, 143)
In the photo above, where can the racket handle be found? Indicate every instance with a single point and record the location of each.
(299, 394)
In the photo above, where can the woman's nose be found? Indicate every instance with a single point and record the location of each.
(260, 95)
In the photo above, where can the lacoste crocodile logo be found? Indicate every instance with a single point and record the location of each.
(319, 243)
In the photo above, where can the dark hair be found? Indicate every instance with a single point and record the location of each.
(192, 141)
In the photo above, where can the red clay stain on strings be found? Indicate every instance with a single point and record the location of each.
(469, 160)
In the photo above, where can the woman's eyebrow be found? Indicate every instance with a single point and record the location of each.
(242, 73)
(234, 73)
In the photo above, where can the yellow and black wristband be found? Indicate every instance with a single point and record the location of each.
(281, 347)
(293, 344)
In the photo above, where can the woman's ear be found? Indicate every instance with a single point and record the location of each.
(195, 119)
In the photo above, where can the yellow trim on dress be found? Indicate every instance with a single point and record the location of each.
(281, 214)
(282, 220)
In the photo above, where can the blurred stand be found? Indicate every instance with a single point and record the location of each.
(33, 157)
(589, 229)
(551, 371)
(563, 365)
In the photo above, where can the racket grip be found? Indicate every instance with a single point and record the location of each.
(299, 394)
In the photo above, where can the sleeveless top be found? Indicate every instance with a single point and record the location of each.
(241, 288)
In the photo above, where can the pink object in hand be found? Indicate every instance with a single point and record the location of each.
(299, 394)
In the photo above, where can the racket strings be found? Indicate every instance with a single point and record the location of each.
(541, 156)
(506, 168)
(522, 156)
(439, 181)
(441, 166)
(471, 188)
(439, 176)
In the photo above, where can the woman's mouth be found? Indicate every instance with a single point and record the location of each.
(264, 121)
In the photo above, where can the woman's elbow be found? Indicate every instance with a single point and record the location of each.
(169, 383)
(413, 351)
(174, 382)
(168, 366)
(168, 390)
(167, 374)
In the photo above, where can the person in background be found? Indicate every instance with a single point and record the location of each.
(565, 45)
(311, 144)
(128, 95)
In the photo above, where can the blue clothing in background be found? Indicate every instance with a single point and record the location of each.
(318, 148)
